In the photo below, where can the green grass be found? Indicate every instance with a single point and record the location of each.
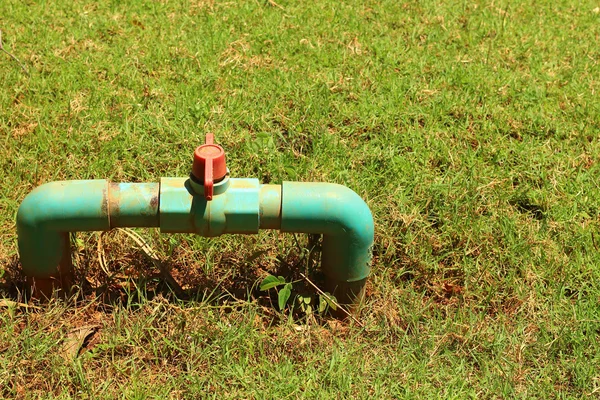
(472, 129)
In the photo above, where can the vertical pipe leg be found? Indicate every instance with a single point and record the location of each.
(61, 281)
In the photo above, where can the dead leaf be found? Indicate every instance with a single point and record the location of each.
(452, 289)
(75, 339)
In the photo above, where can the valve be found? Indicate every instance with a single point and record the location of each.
(209, 165)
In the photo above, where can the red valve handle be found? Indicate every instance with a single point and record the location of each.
(209, 165)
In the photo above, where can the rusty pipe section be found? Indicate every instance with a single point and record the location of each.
(54, 209)
(133, 205)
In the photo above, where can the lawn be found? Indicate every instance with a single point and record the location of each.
(472, 130)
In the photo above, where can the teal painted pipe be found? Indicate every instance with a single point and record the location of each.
(133, 205)
(51, 211)
(341, 216)
(234, 211)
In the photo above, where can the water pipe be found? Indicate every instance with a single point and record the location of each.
(208, 203)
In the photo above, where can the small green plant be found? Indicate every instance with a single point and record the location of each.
(283, 294)
(305, 303)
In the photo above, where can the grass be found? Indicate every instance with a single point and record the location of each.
(470, 128)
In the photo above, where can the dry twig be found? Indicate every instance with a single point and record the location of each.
(102, 255)
(12, 55)
(322, 293)
(149, 251)
(273, 4)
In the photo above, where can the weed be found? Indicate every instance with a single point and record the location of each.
(305, 303)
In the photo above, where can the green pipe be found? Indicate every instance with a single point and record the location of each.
(270, 206)
(133, 204)
(183, 210)
(51, 211)
(347, 226)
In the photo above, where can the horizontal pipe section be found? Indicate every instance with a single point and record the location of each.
(133, 204)
(270, 206)
(52, 210)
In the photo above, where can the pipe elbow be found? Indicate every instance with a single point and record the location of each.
(66, 206)
(32, 213)
(49, 212)
(343, 218)
(349, 215)
(35, 235)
